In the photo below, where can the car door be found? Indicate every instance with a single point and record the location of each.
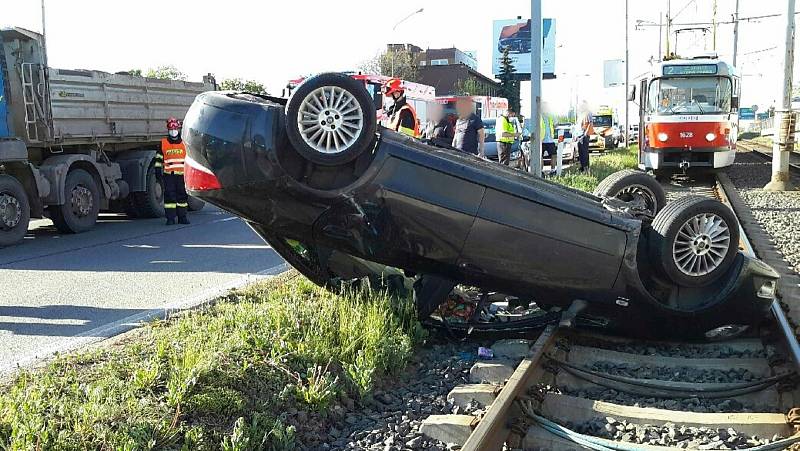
(537, 234)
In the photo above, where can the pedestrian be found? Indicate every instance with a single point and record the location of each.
(469, 133)
(583, 141)
(548, 133)
(402, 116)
(439, 130)
(506, 133)
(173, 154)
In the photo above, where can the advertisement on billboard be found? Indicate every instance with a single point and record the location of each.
(613, 73)
(516, 35)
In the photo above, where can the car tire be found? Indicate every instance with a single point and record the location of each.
(634, 186)
(330, 119)
(149, 203)
(81, 206)
(694, 240)
(15, 211)
(195, 204)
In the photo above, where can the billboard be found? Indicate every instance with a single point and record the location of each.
(516, 35)
(613, 73)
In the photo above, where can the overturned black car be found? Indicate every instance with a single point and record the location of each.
(340, 199)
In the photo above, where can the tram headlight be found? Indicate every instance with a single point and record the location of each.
(662, 137)
(711, 137)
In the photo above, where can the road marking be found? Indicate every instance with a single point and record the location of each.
(227, 246)
(130, 322)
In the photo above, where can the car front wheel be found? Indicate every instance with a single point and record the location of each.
(635, 187)
(694, 240)
(331, 119)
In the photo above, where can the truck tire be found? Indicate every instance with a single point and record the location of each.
(694, 240)
(15, 211)
(195, 204)
(330, 119)
(149, 203)
(634, 186)
(81, 206)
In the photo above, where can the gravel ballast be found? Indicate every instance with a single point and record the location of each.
(684, 350)
(390, 421)
(675, 374)
(684, 405)
(671, 435)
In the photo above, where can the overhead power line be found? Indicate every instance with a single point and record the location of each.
(723, 22)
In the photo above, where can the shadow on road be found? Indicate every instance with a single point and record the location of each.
(58, 320)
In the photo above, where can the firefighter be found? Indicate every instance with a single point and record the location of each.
(402, 117)
(173, 154)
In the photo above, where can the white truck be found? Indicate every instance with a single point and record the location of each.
(75, 142)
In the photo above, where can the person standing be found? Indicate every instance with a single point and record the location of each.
(173, 155)
(506, 133)
(402, 116)
(469, 136)
(439, 130)
(583, 142)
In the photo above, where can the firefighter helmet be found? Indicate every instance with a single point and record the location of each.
(393, 85)
(173, 124)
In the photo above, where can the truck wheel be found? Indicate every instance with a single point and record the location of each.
(14, 211)
(195, 204)
(330, 119)
(636, 187)
(149, 203)
(694, 240)
(79, 211)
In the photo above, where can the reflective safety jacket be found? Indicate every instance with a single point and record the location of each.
(174, 156)
(396, 115)
(504, 124)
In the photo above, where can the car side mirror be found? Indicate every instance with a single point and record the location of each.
(631, 93)
(735, 103)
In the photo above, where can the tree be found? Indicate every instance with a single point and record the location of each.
(509, 85)
(470, 86)
(167, 72)
(237, 84)
(404, 64)
(135, 72)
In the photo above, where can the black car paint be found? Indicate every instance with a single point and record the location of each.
(436, 211)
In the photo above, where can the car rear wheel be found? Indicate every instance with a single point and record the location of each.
(694, 240)
(635, 187)
(331, 119)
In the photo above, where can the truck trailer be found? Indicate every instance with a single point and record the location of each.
(77, 142)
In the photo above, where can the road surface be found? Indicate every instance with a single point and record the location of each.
(58, 292)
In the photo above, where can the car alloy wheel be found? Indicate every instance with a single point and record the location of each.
(330, 119)
(701, 244)
(639, 194)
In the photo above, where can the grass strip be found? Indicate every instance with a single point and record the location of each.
(218, 378)
(600, 167)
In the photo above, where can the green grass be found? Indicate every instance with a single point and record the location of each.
(600, 167)
(217, 378)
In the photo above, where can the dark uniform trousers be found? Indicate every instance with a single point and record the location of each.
(176, 201)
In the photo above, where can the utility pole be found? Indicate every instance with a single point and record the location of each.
(536, 88)
(714, 26)
(660, 34)
(625, 132)
(783, 142)
(669, 22)
(735, 32)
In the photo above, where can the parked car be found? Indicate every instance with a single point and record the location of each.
(570, 144)
(490, 146)
(340, 198)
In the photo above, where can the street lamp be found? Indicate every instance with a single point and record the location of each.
(419, 11)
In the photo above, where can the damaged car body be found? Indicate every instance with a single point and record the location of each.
(340, 198)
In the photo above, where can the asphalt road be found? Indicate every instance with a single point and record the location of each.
(58, 292)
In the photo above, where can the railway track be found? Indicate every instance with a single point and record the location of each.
(766, 152)
(571, 390)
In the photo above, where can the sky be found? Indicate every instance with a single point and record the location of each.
(275, 41)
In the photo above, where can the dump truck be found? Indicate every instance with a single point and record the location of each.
(77, 142)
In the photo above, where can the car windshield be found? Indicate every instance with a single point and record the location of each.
(601, 121)
(689, 95)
